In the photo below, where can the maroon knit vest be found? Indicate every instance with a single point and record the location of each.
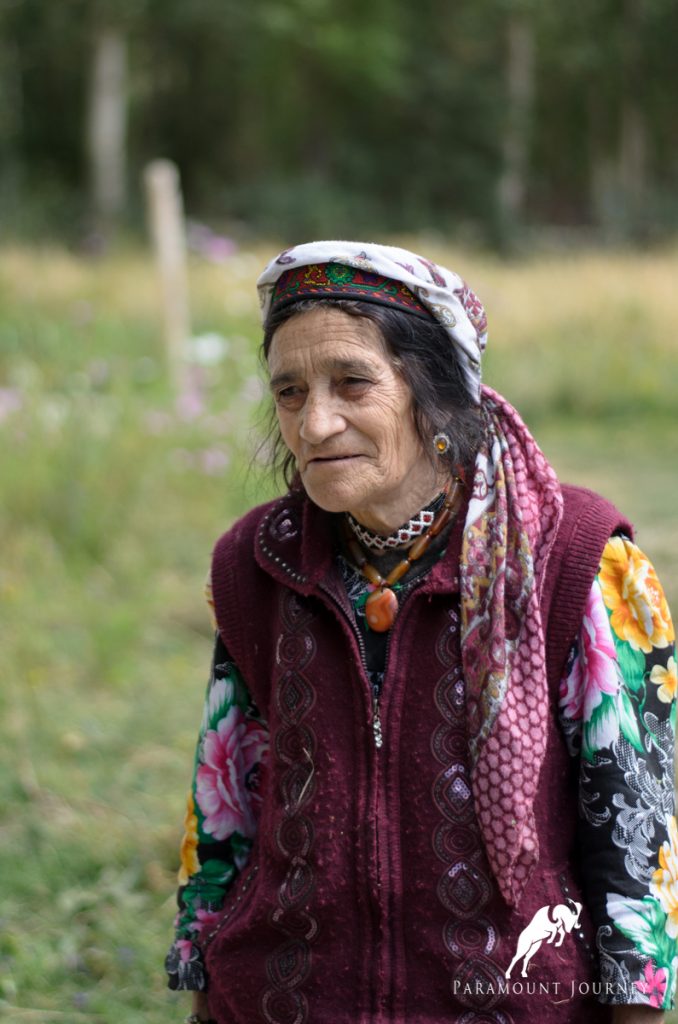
(368, 898)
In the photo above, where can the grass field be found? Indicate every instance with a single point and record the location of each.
(113, 492)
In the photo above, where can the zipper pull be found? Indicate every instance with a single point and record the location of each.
(376, 725)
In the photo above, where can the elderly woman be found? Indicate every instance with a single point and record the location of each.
(434, 777)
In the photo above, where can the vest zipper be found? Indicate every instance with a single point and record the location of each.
(379, 913)
(347, 612)
(376, 725)
(382, 981)
(376, 691)
(376, 694)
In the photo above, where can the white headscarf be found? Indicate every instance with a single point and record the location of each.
(442, 292)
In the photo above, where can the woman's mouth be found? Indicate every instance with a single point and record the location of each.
(328, 460)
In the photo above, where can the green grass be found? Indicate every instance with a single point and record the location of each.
(111, 500)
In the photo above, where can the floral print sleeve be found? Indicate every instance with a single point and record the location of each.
(618, 709)
(221, 815)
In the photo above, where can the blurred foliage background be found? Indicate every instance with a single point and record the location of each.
(528, 145)
(304, 117)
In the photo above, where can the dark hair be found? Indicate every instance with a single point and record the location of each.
(423, 354)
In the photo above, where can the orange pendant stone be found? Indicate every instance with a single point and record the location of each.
(381, 609)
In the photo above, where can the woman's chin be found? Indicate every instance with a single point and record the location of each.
(330, 503)
(331, 497)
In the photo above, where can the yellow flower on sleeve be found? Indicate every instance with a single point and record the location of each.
(666, 679)
(664, 883)
(189, 844)
(634, 596)
(209, 597)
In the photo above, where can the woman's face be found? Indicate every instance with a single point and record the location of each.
(346, 415)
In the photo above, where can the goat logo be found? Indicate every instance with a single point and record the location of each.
(549, 924)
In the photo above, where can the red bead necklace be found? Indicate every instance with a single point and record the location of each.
(381, 606)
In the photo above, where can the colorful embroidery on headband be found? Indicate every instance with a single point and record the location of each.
(336, 280)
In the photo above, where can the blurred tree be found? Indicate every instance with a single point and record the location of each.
(106, 123)
(47, 99)
(604, 152)
(519, 31)
(11, 114)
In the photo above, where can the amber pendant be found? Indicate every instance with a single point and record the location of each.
(381, 609)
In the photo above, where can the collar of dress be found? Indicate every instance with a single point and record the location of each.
(296, 544)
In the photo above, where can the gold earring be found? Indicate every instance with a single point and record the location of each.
(442, 444)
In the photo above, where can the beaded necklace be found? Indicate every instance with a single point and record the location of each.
(381, 606)
(406, 533)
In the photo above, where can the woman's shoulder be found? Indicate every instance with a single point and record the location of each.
(581, 500)
(244, 530)
(250, 521)
(587, 523)
(588, 519)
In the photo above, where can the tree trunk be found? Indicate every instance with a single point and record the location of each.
(512, 188)
(11, 118)
(603, 183)
(107, 125)
(632, 154)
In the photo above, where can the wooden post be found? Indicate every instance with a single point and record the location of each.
(169, 239)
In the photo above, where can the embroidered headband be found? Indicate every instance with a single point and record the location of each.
(337, 281)
(387, 275)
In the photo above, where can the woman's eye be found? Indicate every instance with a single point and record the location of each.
(355, 382)
(288, 394)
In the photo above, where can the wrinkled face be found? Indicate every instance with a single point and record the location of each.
(345, 413)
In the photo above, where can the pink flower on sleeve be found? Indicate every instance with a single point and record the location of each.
(594, 671)
(186, 949)
(205, 919)
(653, 984)
(230, 753)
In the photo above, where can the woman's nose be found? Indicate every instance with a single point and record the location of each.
(320, 419)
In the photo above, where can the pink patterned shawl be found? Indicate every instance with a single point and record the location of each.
(513, 517)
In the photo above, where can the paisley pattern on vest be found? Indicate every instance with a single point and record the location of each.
(465, 887)
(294, 747)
